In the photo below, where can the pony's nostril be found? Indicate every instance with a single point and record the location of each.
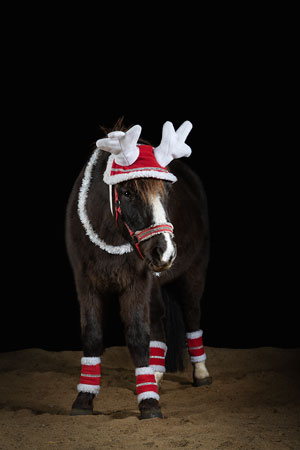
(172, 257)
(163, 253)
(159, 260)
(156, 254)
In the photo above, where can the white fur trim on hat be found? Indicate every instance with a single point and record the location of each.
(131, 175)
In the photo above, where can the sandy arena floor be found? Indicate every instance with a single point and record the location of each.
(253, 403)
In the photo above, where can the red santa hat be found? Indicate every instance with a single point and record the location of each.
(129, 160)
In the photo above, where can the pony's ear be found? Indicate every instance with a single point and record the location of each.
(122, 145)
(173, 144)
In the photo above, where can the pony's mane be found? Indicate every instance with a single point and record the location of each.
(145, 187)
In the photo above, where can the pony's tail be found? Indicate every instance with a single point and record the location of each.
(174, 330)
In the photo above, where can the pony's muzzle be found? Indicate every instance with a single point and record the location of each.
(160, 252)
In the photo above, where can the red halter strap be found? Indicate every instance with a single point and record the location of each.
(141, 235)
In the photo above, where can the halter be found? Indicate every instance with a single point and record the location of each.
(140, 235)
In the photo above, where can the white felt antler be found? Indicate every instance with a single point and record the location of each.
(173, 144)
(122, 145)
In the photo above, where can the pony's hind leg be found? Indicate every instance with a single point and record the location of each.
(198, 357)
(134, 309)
(91, 330)
(190, 289)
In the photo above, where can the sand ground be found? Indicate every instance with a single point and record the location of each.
(253, 403)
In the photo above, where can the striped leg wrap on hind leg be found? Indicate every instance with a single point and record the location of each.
(195, 346)
(158, 352)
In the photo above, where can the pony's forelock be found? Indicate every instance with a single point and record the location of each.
(147, 188)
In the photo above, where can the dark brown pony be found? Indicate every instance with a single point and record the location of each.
(146, 302)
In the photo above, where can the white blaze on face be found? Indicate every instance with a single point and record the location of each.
(159, 217)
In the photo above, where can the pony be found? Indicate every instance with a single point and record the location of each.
(137, 235)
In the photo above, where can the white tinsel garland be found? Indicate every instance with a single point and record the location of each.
(82, 199)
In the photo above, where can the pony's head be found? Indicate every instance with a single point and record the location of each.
(142, 216)
(139, 186)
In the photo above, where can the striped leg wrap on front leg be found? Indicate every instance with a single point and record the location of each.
(195, 346)
(90, 379)
(146, 386)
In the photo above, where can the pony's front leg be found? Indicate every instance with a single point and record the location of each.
(91, 330)
(135, 313)
(158, 347)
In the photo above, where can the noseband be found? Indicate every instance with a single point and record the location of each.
(140, 235)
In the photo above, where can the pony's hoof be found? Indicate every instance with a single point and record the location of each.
(202, 381)
(83, 405)
(81, 412)
(154, 414)
(150, 409)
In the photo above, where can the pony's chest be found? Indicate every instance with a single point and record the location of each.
(109, 278)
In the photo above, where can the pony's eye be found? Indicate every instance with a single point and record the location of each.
(127, 194)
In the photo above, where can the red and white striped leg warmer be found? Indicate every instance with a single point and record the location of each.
(158, 352)
(195, 346)
(146, 386)
(90, 375)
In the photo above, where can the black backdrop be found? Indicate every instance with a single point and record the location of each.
(53, 112)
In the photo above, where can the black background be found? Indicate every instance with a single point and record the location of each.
(57, 95)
